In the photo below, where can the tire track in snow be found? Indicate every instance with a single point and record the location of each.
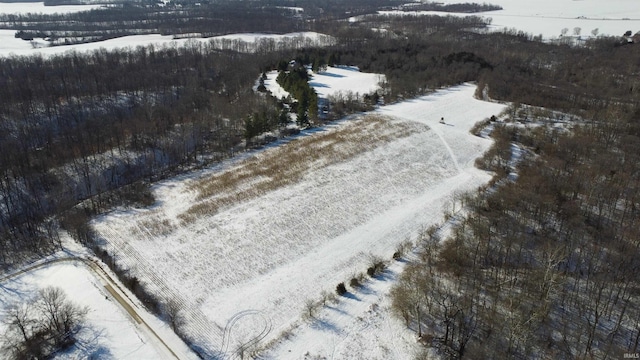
(201, 330)
(438, 132)
(242, 347)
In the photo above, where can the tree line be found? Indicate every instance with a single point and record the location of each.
(134, 19)
(206, 18)
(419, 54)
(460, 7)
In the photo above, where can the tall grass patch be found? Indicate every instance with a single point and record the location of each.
(288, 164)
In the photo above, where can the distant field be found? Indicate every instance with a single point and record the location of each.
(10, 45)
(549, 17)
(39, 8)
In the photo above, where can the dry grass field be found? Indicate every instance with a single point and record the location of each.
(286, 165)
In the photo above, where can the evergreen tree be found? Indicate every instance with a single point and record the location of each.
(283, 118)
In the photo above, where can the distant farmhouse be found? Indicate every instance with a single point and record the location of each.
(635, 38)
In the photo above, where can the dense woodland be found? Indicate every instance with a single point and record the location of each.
(544, 264)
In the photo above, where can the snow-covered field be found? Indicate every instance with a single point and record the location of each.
(252, 264)
(549, 17)
(246, 271)
(39, 8)
(545, 17)
(333, 80)
(109, 331)
(9, 45)
(344, 79)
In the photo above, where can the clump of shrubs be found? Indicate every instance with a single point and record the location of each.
(402, 249)
(42, 327)
(129, 280)
(327, 296)
(478, 127)
(376, 267)
(137, 194)
(341, 289)
(310, 308)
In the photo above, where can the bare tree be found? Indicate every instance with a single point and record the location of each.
(20, 324)
(577, 30)
(62, 317)
(310, 308)
(39, 328)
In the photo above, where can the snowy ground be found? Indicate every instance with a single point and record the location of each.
(39, 8)
(110, 332)
(357, 326)
(549, 17)
(333, 80)
(344, 79)
(251, 266)
(9, 45)
(544, 17)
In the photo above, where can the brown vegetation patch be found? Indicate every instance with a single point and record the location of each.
(287, 164)
(153, 226)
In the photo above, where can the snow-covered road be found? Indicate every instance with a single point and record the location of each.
(85, 280)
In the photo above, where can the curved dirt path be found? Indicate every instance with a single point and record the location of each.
(116, 292)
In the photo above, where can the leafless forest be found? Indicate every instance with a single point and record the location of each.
(544, 262)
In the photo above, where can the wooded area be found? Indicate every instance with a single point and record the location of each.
(77, 126)
(545, 263)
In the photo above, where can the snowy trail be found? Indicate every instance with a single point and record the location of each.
(164, 342)
(436, 130)
(446, 144)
